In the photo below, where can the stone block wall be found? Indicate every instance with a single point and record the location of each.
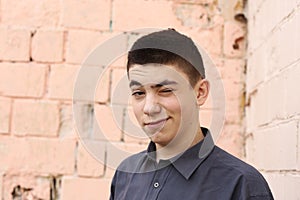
(42, 46)
(272, 85)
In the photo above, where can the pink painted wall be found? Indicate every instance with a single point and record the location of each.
(42, 46)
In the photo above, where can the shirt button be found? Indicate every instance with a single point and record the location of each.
(156, 184)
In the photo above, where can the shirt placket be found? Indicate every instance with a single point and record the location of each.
(159, 180)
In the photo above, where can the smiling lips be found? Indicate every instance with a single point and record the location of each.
(156, 124)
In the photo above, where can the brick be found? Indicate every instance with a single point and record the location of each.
(265, 150)
(233, 89)
(86, 84)
(142, 15)
(62, 81)
(40, 185)
(250, 148)
(83, 14)
(134, 35)
(275, 100)
(233, 69)
(216, 122)
(269, 52)
(255, 6)
(109, 172)
(255, 72)
(205, 117)
(91, 158)
(284, 185)
(235, 101)
(83, 114)
(15, 44)
(13, 77)
(192, 15)
(253, 34)
(109, 120)
(259, 111)
(216, 96)
(282, 24)
(5, 107)
(234, 39)
(109, 53)
(209, 39)
(120, 92)
(230, 8)
(103, 87)
(267, 105)
(249, 120)
(30, 13)
(232, 140)
(258, 36)
(217, 63)
(234, 111)
(287, 50)
(39, 118)
(133, 148)
(37, 155)
(217, 20)
(267, 22)
(88, 41)
(232, 73)
(47, 46)
(84, 188)
(121, 60)
(274, 55)
(280, 54)
(291, 100)
(67, 126)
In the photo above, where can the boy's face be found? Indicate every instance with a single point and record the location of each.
(164, 103)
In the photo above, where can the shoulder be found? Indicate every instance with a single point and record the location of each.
(249, 182)
(133, 162)
(234, 164)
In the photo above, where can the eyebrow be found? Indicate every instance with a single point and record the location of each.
(165, 82)
(134, 83)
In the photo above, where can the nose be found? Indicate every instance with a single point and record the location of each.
(151, 106)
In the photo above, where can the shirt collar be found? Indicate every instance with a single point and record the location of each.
(187, 162)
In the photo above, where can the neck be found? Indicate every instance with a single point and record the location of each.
(177, 146)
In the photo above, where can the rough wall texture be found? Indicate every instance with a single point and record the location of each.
(42, 45)
(273, 109)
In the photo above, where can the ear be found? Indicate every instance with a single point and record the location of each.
(201, 90)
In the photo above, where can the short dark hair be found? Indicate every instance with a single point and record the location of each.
(168, 47)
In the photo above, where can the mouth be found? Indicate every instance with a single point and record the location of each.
(155, 125)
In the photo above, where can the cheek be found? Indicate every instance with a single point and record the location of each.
(181, 106)
(172, 106)
(137, 110)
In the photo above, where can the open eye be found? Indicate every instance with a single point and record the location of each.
(138, 94)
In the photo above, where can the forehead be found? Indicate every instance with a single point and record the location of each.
(156, 73)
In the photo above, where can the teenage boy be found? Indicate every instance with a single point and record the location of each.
(167, 81)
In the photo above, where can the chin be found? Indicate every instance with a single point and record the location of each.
(159, 143)
(159, 140)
